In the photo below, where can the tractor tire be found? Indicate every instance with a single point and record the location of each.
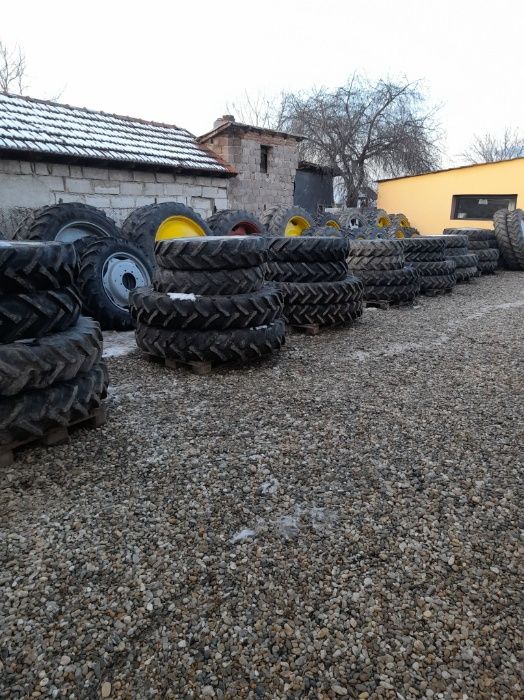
(109, 270)
(211, 253)
(327, 219)
(243, 280)
(482, 245)
(428, 255)
(515, 230)
(400, 220)
(36, 364)
(306, 272)
(503, 242)
(423, 244)
(393, 293)
(322, 293)
(32, 413)
(432, 282)
(165, 221)
(430, 269)
(307, 249)
(352, 219)
(487, 268)
(30, 266)
(326, 232)
(456, 242)
(467, 260)
(456, 252)
(464, 274)
(473, 234)
(287, 222)
(241, 344)
(235, 222)
(37, 314)
(487, 255)
(389, 278)
(377, 248)
(323, 315)
(378, 262)
(192, 312)
(66, 223)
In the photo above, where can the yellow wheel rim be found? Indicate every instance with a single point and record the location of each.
(399, 234)
(403, 222)
(296, 226)
(333, 224)
(178, 227)
(383, 222)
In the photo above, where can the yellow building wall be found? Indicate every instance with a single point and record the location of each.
(427, 199)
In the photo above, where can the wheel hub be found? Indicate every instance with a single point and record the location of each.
(75, 230)
(296, 226)
(178, 227)
(122, 273)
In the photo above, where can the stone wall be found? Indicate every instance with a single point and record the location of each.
(27, 185)
(252, 189)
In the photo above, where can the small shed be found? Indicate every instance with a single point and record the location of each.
(51, 153)
(313, 187)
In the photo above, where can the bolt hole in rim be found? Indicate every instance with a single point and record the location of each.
(76, 230)
(121, 273)
(296, 226)
(178, 227)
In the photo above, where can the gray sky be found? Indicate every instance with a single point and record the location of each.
(183, 62)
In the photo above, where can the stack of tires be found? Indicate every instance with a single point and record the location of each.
(51, 368)
(466, 262)
(509, 232)
(209, 302)
(312, 274)
(482, 243)
(427, 255)
(380, 266)
(110, 267)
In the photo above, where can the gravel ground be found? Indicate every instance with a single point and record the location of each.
(339, 521)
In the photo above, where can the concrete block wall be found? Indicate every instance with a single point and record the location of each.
(252, 189)
(27, 185)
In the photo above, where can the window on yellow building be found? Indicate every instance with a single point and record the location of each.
(481, 206)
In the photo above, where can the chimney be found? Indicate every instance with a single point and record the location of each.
(223, 120)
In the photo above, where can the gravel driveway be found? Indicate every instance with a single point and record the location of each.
(339, 521)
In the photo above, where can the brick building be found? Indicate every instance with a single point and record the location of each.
(51, 153)
(265, 160)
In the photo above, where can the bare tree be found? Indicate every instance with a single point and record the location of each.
(257, 110)
(364, 130)
(489, 148)
(12, 69)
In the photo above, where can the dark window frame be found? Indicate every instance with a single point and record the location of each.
(264, 158)
(455, 202)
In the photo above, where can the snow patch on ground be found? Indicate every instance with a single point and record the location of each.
(180, 295)
(117, 343)
(243, 535)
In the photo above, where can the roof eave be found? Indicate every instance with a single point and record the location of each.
(237, 126)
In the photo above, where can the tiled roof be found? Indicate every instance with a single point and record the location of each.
(50, 129)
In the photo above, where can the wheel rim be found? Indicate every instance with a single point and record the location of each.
(245, 228)
(296, 226)
(333, 224)
(122, 273)
(75, 230)
(399, 234)
(404, 222)
(178, 227)
(383, 222)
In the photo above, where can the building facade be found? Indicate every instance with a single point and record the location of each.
(464, 197)
(51, 153)
(265, 161)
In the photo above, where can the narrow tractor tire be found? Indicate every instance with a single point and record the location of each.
(430, 269)
(487, 268)
(243, 280)
(464, 274)
(432, 282)
(306, 272)
(323, 293)
(38, 363)
(456, 241)
(37, 314)
(211, 346)
(30, 266)
(30, 414)
(428, 255)
(376, 248)
(423, 244)
(467, 260)
(473, 234)
(307, 249)
(206, 312)
(50, 223)
(235, 222)
(211, 253)
(487, 255)
(393, 293)
(109, 270)
(389, 278)
(323, 314)
(384, 262)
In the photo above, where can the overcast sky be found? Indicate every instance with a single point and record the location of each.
(183, 62)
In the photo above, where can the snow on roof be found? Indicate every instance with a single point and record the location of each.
(48, 128)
